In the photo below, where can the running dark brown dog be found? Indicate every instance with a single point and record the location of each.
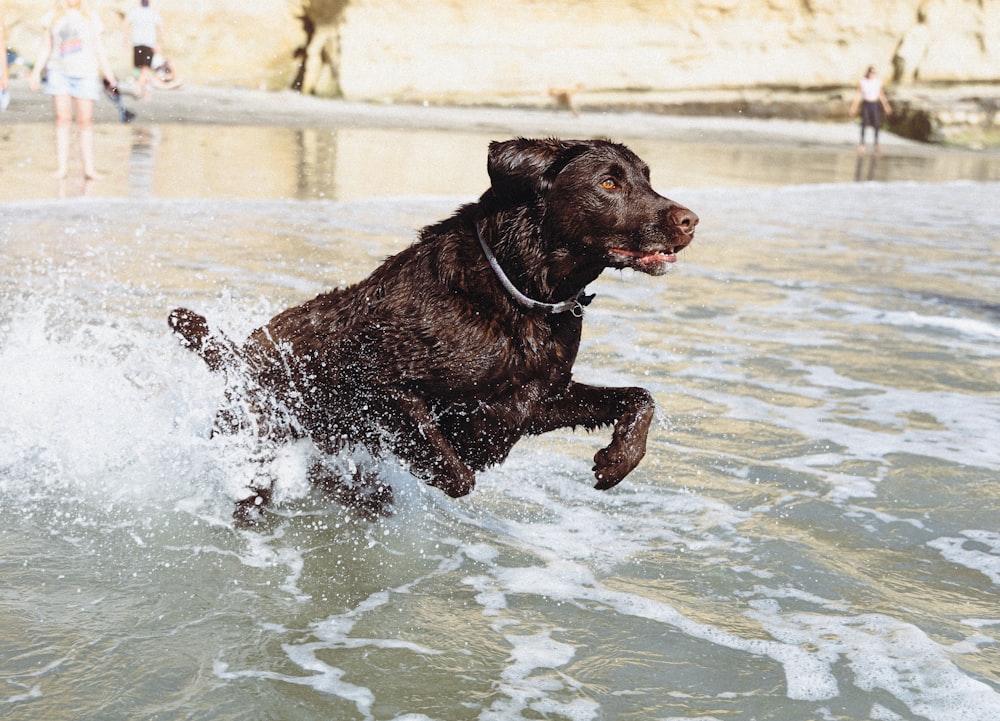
(463, 343)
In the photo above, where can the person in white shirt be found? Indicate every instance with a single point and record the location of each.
(72, 56)
(144, 30)
(870, 98)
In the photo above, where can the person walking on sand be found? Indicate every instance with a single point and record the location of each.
(72, 55)
(870, 97)
(144, 30)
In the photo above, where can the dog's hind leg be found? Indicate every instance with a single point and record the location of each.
(254, 418)
(249, 510)
(361, 490)
(248, 409)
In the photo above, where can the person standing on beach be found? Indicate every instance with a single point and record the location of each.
(72, 55)
(144, 29)
(4, 73)
(870, 96)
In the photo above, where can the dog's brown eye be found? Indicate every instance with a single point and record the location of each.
(609, 184)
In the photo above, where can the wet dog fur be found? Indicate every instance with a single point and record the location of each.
(444, 360)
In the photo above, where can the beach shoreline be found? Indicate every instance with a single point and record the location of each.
(208, 142)
(235, 106)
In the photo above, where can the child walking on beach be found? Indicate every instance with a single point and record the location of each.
(72, 56)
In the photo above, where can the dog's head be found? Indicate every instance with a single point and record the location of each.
(595, 198)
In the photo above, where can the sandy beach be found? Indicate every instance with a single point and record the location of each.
(234, 106)
(228, 142)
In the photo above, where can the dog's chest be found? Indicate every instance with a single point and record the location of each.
(534, 350)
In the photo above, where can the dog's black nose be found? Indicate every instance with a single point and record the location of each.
(684, 219)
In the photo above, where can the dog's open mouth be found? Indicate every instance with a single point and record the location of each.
(655, 263)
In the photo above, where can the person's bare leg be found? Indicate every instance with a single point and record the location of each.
(143, 83)
(85, 129)
(63, 107)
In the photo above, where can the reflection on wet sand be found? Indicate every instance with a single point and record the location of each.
(142, 160)
(871, 164)
(200, 161)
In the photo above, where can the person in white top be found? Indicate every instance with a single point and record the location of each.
(144, 30)
(870, 98)
(72, 56)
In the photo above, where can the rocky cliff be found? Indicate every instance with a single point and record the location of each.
(474, 51)
(464, 49)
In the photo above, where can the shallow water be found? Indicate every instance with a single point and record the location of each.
(813, 534)
(226, 162)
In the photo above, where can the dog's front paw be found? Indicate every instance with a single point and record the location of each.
(613, 463)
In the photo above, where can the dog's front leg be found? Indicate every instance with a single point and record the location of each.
(418, 440)
(629, 409)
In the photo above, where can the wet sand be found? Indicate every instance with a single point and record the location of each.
(233, 106)
(222, 143)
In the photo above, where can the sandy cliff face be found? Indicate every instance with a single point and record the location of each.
(461, 49)
(474, 50)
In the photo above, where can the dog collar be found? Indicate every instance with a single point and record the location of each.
(575, 305)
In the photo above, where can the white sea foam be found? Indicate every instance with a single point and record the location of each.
(985, 561)
(808, 674)
(94, 408)
(884, 653)
(524, 689)
(974, 330)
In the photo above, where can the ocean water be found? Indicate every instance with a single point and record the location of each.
(813, 534)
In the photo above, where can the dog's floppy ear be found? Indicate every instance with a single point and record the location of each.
(522, 168)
